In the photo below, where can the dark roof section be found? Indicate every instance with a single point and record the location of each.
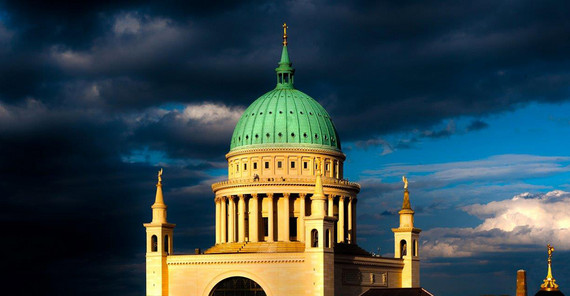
(397, 292)
(351, 249)
(548, 293)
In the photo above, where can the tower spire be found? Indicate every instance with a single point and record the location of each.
(406, 204)
(159, 207)
(318, 199)
(285, 71)
(549, 282)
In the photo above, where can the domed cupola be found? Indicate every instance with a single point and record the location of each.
(285, 116)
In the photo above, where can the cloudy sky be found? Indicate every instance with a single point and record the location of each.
(470, 101)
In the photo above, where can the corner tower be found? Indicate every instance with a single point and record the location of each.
(406, 242)
(158, 245)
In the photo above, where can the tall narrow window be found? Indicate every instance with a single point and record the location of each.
(166, 245)
(245, 166)
(265, 226)
(403, 248)
(279, 164)
(267, 164)
(305, 165)
(292, 164)
(293, 228)
(154, 243)
(255, 165)
(314, 238)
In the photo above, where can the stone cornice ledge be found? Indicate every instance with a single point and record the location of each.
(213, 259)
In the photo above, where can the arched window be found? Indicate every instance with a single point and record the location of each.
(166, 245)
(403, 248)
(314, 238)
(327, 238)
(237, 286)
(153, 243)
(415, 251)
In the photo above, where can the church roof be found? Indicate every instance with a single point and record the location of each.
(285, 117)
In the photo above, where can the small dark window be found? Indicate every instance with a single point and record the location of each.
(166, 245)
(280, 134)
(314, 238)
(237, 167)
(291, 112)
(301, 112)
(292, 164)
(305, 165)
(270, 112)
(305, 135)
(252, 114)
(154, 243)
(255, 165)
(280, 112)
(256, 136)
(326, 167)
(310, 113)
(293, 227)
(267, 135)
(327, 238)
(279, 164)
(265, 226)
(246, 137)
(292, 134)
(245, 166)
(267, 164)
(316, 136)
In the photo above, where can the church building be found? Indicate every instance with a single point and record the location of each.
(285, 218)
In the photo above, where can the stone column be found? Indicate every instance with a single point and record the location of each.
(254, 218)
(231, 220)
(270, 216)
(241, 218)
(331, 206)
(283, 232)
(350, 220)
(224, 219)
(354, 200)
(302, 209)
(217, 220)
(340, 223)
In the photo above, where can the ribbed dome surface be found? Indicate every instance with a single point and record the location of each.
(285, 117)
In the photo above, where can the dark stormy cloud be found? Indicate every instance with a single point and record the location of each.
(92, 92)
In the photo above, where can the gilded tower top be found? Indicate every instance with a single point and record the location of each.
(285, 33)
(406, 204)
(549, 282)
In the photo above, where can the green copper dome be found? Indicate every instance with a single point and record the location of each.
(285, 117)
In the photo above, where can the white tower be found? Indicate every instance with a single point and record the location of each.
(158, 245)
(406, 243)
(319, 241)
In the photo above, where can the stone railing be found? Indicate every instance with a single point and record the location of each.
(255, 181)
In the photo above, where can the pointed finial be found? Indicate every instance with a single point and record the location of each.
(405, 180)
(406, 204)
(285, 33)
(549, 282)
(318, 162)
(160, 177)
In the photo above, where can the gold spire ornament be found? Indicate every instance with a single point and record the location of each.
(160, 177)
(549, 282)
(285, 33)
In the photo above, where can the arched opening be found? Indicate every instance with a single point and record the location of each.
(153, 243)
(166, 245)
(314, 238)
(415, 251)
(237, 286)
(403, 248)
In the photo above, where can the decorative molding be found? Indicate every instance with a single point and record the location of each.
(252, 261)
(285, 149)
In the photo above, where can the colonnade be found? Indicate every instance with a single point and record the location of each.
(239, 218)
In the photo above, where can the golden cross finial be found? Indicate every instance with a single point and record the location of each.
(550, 250)
(285, 33)
(160, 176)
